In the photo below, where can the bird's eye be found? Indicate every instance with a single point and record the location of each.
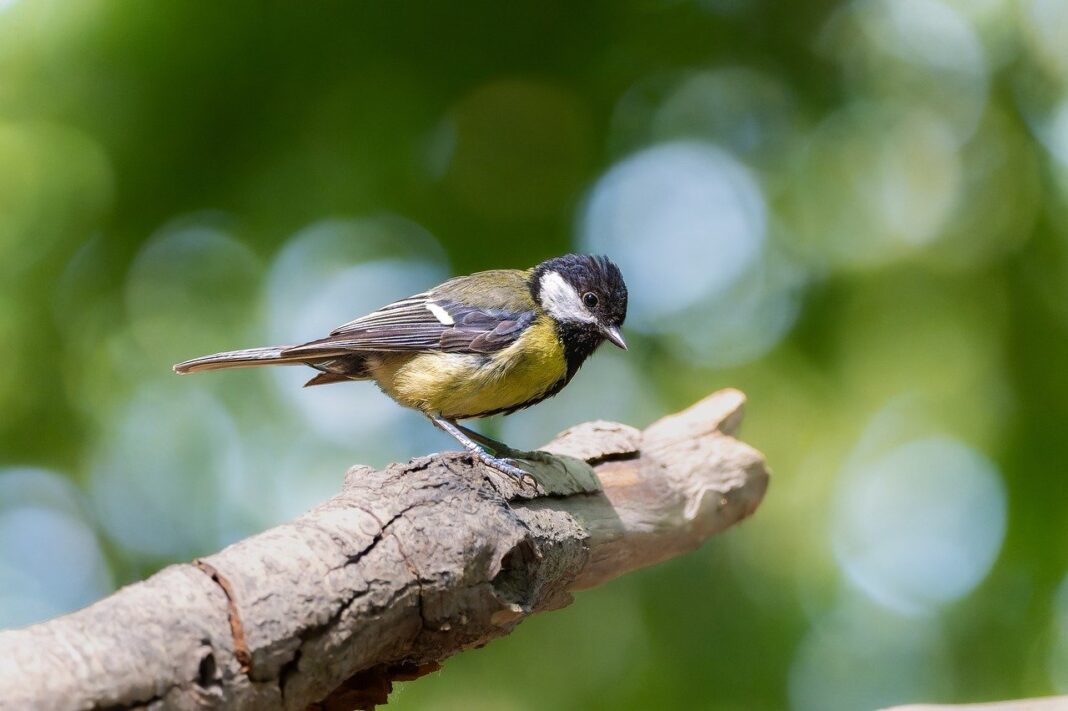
(590, 299)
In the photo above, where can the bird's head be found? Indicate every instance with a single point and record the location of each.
(584, 294)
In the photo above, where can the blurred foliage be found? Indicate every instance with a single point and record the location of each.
(857, 212)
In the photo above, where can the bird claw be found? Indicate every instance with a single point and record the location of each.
(506, 452)
(508, 466)
(524, 476)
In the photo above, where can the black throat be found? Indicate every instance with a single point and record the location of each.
(580, 341)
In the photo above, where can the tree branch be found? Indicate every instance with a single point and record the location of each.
(405, 567)
(1048, 703)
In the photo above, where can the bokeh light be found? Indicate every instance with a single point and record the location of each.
(921, 525)
(1045, 28)
(919, 52)
(1054, 133)
(746, 320)
(1058, 658)
(861, 657)
(156, 478)
(999, 169)
(326, 275)
(50, 559)
(895, 177)
(744, 110)
(683, 220)
(181, 271)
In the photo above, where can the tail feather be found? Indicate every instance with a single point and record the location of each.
(249, 357)
(327, 378)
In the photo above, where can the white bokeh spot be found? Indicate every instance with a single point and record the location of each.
(683, 220)
(921, 525)
(326, 275)
(51, 561)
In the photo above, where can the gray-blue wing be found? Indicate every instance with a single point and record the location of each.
(422, 323)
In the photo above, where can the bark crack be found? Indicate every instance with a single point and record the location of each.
(237, 629)
(417, 578)
(614, 457)
(291, 666)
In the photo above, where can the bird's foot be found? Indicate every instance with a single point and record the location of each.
(503, 451)
(505, 466)
(476, 444)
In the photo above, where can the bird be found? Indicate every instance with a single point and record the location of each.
(488, 343)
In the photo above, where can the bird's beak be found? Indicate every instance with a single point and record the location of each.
(612, 333)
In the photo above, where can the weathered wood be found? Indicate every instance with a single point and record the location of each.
(1048, 703)
(405, 567)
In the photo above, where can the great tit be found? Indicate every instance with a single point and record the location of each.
(490, 343)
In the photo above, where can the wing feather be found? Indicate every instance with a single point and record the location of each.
(423, 322)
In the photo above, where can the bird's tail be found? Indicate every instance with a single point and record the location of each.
(249, 357)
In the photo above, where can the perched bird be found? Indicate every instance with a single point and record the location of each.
(490, 343)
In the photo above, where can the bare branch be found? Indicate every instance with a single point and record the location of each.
(403, 568)
(1048, 703)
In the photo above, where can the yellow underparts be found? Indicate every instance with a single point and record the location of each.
(459, 385)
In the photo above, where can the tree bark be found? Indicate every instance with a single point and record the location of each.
(1047, 703)
(405, 567)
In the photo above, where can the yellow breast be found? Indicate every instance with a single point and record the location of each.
(462, 385)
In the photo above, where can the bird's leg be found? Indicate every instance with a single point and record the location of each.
(498, 447)
(502, 449)
(457, 433)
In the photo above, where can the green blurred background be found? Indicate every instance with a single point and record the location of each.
(857, 212)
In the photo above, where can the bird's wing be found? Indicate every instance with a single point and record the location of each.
(431, 321)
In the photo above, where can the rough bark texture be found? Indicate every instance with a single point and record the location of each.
(403, 568)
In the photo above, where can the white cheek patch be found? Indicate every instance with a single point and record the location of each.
(440, 314)
(561, 300)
